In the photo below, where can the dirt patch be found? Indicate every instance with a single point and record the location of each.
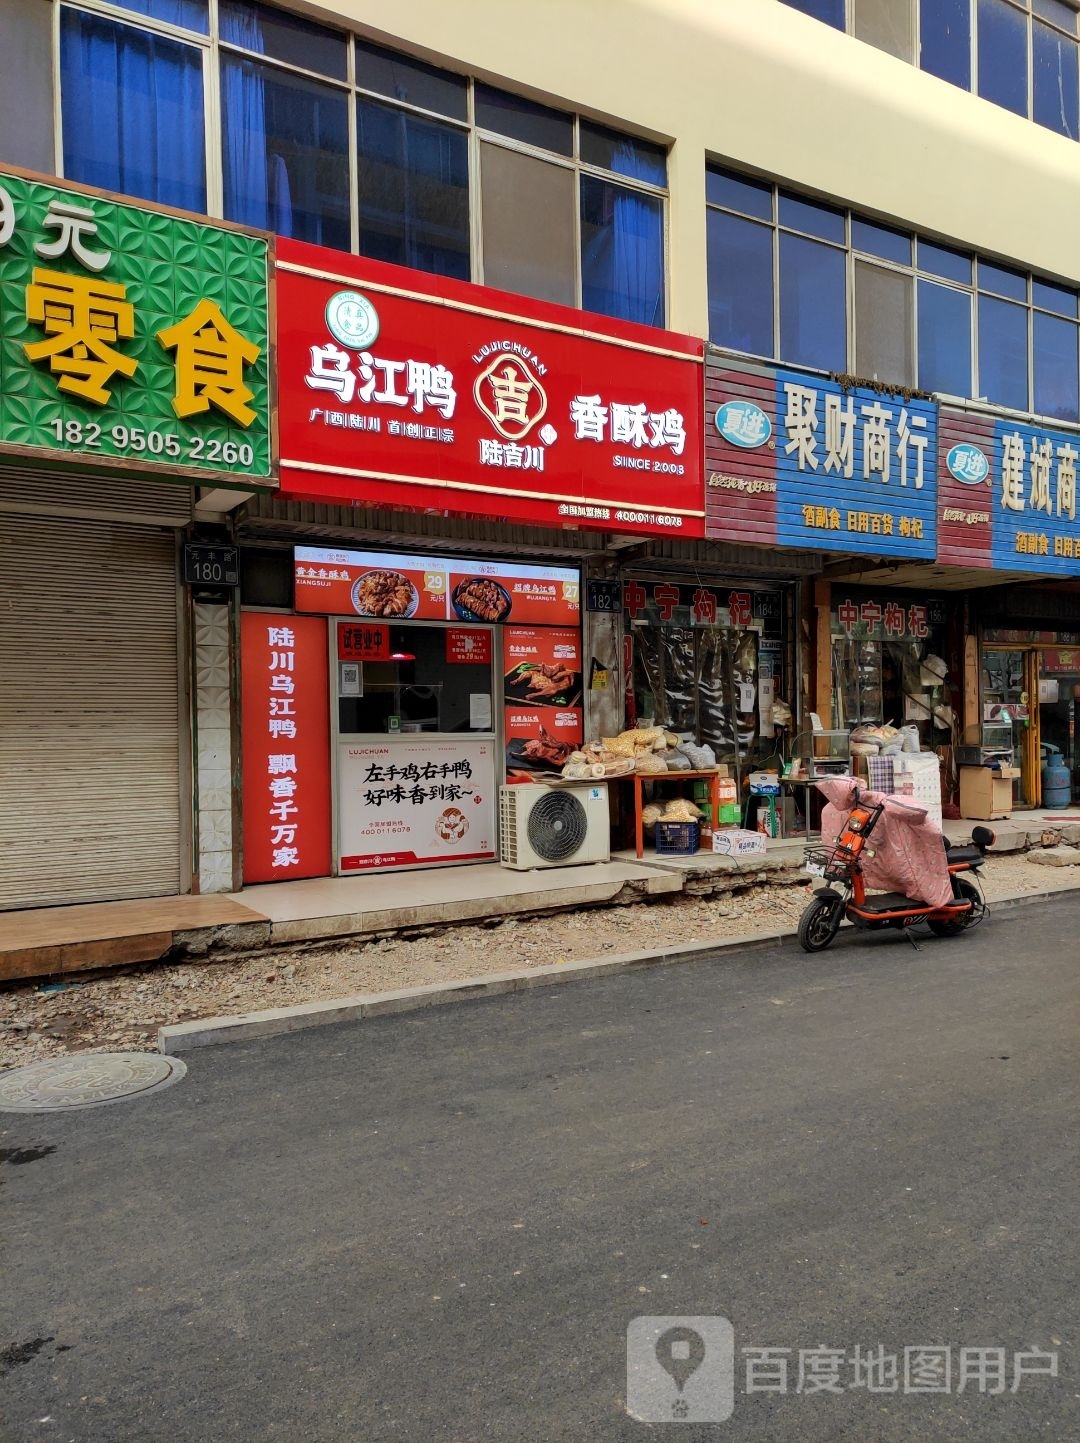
(123, 1011)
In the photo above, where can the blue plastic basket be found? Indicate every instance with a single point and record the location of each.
(677, 839)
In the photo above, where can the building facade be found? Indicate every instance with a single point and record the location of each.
(860, 215)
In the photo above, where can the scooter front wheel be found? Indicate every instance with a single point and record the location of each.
(820, 923)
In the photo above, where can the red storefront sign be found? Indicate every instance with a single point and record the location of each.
(401, 389)
(470, 646)
(433, 588)
(358, 641)
(286, 747)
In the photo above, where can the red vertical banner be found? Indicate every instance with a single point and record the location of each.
(285, 694)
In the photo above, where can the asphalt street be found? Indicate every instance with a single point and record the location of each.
(439, 1226)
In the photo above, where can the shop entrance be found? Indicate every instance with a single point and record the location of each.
(1009, 681)
(417, 764)
(1034, 690)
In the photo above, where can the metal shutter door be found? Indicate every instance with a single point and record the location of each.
(89, 712)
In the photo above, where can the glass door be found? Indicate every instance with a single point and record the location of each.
(1010, 679)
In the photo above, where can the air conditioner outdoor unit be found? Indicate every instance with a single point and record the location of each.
(554, 826)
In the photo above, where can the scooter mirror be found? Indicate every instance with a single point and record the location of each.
(983, 837)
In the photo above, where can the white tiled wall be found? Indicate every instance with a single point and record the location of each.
(214, 756)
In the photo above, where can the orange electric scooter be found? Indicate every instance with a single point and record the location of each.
(821, 920)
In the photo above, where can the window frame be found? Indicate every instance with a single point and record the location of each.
(212, 48)
(973, 290)
(1032, 17)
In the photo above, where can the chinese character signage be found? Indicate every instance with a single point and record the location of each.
(358, 641)
(468, 646)
(133, 339)
(406, 803)
(795, 460)
(670, 603)
(286, 746)
(887, 618)
(401, 389)
(542, 698)
(1008, 495)
(393, 587)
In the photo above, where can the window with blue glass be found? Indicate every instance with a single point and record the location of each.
(285, 153)
(1002, 50)
(329, 138)
(132, 111)
(413, 190)
(1055, 378)
(830, 12)
(740, 259)
(813, 305)
(1055, 81)
(945, 40)
(944, 359)
(1003, 353)
(622, 230)
(622, 252)
(917, 312)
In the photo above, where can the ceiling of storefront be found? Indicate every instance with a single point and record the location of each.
(859, 571)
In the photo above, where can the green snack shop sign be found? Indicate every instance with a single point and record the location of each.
(132, 339)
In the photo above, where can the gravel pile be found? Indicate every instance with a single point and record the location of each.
(123, 1010)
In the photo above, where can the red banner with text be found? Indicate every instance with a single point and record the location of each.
(286, 746)
(402, 389)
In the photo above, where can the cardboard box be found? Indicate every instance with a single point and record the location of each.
(986, 795)
(734, 842)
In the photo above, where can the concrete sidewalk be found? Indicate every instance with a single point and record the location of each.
(52, 941)
(49, 941)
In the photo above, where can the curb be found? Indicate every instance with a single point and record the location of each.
(249, 1026)
(244, 1027)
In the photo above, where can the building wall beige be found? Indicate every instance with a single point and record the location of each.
(761, 85)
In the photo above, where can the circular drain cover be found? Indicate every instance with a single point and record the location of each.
(89, 1079)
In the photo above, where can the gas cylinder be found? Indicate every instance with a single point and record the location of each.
(1056, 782)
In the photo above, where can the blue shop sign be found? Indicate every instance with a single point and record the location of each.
(856, 470)
(1035, 524)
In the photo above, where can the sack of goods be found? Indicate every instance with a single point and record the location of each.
(647, 750)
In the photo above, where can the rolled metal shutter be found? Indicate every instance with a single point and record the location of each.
(89, 712)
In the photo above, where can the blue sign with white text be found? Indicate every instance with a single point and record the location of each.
(1035, 525)
(856, 470)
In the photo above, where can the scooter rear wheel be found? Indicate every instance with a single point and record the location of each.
(820, 923)
(965, 891)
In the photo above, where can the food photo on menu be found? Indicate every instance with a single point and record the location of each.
(542, 697)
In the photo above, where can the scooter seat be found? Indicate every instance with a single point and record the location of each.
(964, 854)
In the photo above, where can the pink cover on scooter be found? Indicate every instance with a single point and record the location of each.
(904, 853)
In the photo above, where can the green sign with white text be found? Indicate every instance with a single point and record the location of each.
(131, 338)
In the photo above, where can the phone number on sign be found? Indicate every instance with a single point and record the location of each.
(153, 443)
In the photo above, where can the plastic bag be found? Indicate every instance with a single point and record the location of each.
(910, 734)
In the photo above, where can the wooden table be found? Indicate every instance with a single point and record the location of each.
(640, 778)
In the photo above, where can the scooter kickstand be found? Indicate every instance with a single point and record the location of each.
(909, 933)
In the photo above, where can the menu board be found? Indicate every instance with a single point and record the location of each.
(542, 697)
(389, 586)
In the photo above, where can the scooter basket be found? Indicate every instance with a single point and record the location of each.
(834, 861)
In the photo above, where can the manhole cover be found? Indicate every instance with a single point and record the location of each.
(89, 1080)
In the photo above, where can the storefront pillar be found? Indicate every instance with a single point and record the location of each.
(214, 758)
(972, 711)
(602, 672)
(823, 652)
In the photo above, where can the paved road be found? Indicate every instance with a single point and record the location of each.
(438, 1227)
